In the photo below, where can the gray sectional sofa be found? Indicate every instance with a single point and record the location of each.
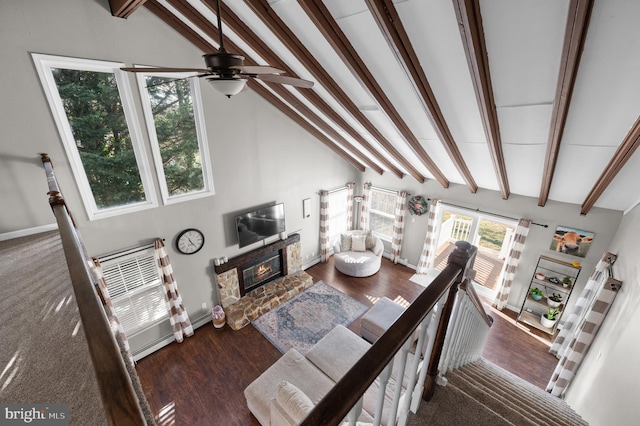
(286, 392)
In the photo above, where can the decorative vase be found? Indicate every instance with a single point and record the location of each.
(547, 322)
(553, 303)
(217, 316)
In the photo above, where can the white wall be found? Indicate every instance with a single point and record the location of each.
(606, 390)
(258, 154)
(602, 222)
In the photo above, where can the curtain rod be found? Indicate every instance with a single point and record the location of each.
(336, 189)
(492, 214)
(388, 191)
(121, 253)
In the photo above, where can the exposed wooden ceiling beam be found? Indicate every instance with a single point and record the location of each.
(262, 9)
(211, 30)
(206, 47)
(619, 159)
(575, 35)
(233, 22)
(388, 20)
(472, 33)
(124, 8)
(329, 28)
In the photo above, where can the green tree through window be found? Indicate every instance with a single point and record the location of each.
(93, 107)
(177, 138)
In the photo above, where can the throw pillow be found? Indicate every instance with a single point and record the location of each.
(370, 241)
(358, 243)
(295, 403)
(345, 242)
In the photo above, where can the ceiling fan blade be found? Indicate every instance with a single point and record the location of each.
(165, 70)
(256, 69)
(282, 79)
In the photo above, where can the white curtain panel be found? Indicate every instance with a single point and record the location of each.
(324, 226)
(429, 249)
(517, 245)
(178, 316)
(364, 208)
(398, 225)
(580, 344)
(116, 327)
(582, 305)
(350, 186)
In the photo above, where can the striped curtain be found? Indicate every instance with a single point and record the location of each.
(511, 263)
(582, 305)
(350, 186)
(580, 344)
(116, 327)
(429, 249)
(178, 316)
(364, 208)
(398, 225)
(324, 226)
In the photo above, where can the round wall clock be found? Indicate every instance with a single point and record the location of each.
(190, 241)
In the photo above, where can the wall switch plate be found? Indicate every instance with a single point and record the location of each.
(204, 305)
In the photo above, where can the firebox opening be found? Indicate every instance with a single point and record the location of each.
(261, 271)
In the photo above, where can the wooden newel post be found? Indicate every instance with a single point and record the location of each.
(462, 256)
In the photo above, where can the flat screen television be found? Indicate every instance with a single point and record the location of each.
(259, 224)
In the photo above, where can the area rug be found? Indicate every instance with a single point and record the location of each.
(306, 318)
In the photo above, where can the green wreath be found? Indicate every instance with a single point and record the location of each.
(418, 205)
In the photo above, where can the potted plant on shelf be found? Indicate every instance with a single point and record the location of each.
(536, 293)
(554, 300)
(549, 318)
(566, 281)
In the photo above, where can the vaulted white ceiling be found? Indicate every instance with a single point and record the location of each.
(500, 77)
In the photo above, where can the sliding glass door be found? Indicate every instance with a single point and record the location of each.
(492, 235)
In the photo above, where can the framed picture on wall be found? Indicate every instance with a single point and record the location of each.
(571, 241)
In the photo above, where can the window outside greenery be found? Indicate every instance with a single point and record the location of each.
(381, 213)
(176, 135)
(93, 107)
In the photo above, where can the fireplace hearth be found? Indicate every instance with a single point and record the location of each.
(252, 270)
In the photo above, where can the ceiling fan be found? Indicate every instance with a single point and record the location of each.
(225, 71)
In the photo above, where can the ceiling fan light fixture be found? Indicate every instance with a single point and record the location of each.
(228, 86)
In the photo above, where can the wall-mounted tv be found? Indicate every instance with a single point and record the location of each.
(259, 224)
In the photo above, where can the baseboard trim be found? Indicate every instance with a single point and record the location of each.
(166, 340)
(29, 231)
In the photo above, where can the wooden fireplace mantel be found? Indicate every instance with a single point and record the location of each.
(245, 258)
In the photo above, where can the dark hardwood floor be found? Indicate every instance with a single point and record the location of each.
(201, 381)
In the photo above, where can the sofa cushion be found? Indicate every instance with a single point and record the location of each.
(358, 243)
(370, 241)
(293, 368)
(337, 352)
(290, 406)
(345, 242)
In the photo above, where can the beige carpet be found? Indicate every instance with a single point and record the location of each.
(484, 394)
(43, 356)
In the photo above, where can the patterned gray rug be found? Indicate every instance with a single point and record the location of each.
(306, 318)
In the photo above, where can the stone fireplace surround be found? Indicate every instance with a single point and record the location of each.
(241, 309)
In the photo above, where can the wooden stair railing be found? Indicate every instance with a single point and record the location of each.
(120, 402)
(347, 392)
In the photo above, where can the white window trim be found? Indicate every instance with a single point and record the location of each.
(207, 171)
(44, 64)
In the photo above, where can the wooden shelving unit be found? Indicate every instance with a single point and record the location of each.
(552, 269)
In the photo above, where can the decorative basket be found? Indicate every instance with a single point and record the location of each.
(217, 316)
